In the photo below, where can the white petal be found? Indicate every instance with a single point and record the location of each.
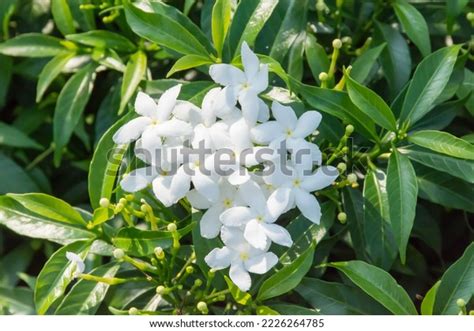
(145, 105)
(161, 188)
(197, 200)
(255, 234)
(233, 238)
(278, 234)
(266, 132)
(187, 112)
(132, 130)
(173, 128)
(263, 111)
(239, 133)
(308, 205)
(323, 177)
(249, 61)
(260, 82)
(224, 103)
(307, 124)
(240, 276)
(278, 201)
(219, 258)
(253, 196)
(226, 74)
(236, 216)
(250, 105)
(261, 263)
(76, 259)
(180, 184)
(138, 179)
(239, 176)
(210, 225)
(284, 115)
(167, 102)
(206, 186)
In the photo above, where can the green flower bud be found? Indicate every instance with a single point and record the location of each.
(470, 16)
(202, 307)
(461, 303)
(337, 43)
(342, 217)
(161, 290)
(323, 76)
(346, 40)
(349, 129)
(172, 227)
(159, 252)
(123, 201)
(342, 167)
(352, 178)
(104, 202)
(129, 197)
(118, 207)
(133, 311)
(198, 282)
(320, 5)
(189, 269)
(119, 253)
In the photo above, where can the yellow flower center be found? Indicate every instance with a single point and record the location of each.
(260, 218)
(296, 183)
(227, 203)
(289, 132)
(244, 256)
(155, 122)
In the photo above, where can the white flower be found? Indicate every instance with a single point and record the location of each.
(77, 262)
(241, 257)
(259, 218)
(155, 118)
(245, 85)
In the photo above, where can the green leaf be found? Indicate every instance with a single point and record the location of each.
(240, 297)
(266, 311)
(379, 284)
(428, 302)
(86, 296)
(371, 104)
(453, 9)
(453, 166)
(221, 18)
(6, 70)
(456, 283)
(443, 142)
(24, 222)
(363, 65)
(14, 178)
(57, 274)
(353, 206)
(13, 263)
(395, 58)
(49, 207)
(381, 246)
(18, 301)
(247, 22)
(330, 298)
(70, 105)
(291, 309)
(188, 62)
(444, 189)
(288, 277)
(172, 34)
(429, 80)
(134, 73)
(105, 164)
(62, 16)
(102, 215)
(414, 25)
(402, 191)
(50, 71)
(103, 39)
(32, 45)
(316, 56)
(11, 136)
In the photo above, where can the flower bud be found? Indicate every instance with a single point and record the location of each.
(352, 178)
(133, 311)
(342, 167)
(346, 40)
(470, 16)
(172, 227)
(202, 307)
(349, 129)
(323, 76)
(337, 43)
(342, 217)
(161, 290)
(129, 197)
(123, 201)
(189, 269)
(159, 252)
(198, 282)
(104, 202)
(320, 5)
(118, 207)
(119, 253)
(460, 303)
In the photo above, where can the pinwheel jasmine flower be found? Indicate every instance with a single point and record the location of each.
(241, 257)
(245, 85)
(259, 218)
(77, 263)
(155, 118)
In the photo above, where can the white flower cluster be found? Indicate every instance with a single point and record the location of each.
(240, 205)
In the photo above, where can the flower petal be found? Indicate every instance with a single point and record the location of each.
(173, 128)
(308, 205)
(278, 201)
(239, 176)
(307, 124)
(263, 111)
(240, 276)
(262, 263)
(145, 105)
(285, 115)
(323, 177)
(180, 184)
(260, 82)
(132, 130)
(255, 234)
(278, 234)
(76, 259)
(239, 133)
(138, 179)
(233, 238)
(161, 188)
(253, 196)
(167, 102)
(266, 132)
(226, 74)
(250, 104)
(197, 200)
(206, 185)
(236, 216)
(219, 258)
(210, 225)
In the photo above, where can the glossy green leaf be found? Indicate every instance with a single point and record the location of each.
(364, 64)
(402, 191)
(443, 142)
(32, 45)
(221, 19)
(70, 105)
(50, 71)
(291, 309)
(102, 215)
(172, 34)
(103, 39)
(14, 178)
(428, 302)
(86, 296)
(17, 301)
(371, 104)
(429, 80)
(239, 296)
(288, 277)
(453, 166)
(105, 164)
(57, 274)
(379, 284)
(381, 246)
(316, 57)
(453, 9)
(188, 62)
(266, 311)
(62, 16)
(11, 136)
(24, 222)
(353, 203)
(456, 283)
(330, 298)
(134, 73)
(414, 25)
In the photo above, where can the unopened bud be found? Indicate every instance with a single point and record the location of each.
(104, 202)
(323, 76)
(345, 149)
(159, 252)
(129, 197)
(123, 201)
(349, 129)
(172, 227)
(337, 43)
(119, 253)
(342, 217)
(198, 282)
(133, 311)
(342, 167)
(202, 307)
(352, 178)
(118, 207)
(161, 290)
(470, 16)
(346, 40)
(189, 269)
(320, 5)
(461, 303)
